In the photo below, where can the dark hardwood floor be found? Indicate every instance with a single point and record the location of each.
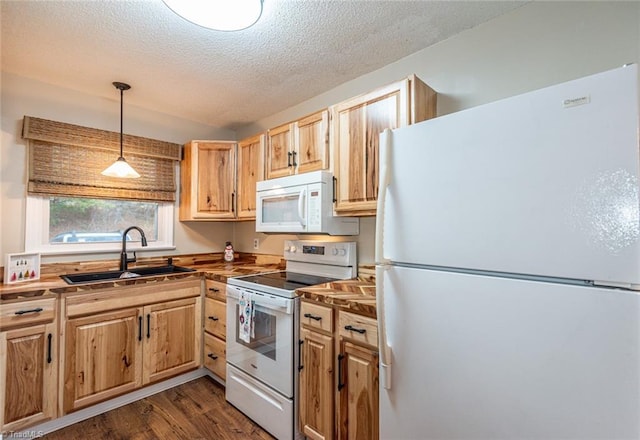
(195, 410)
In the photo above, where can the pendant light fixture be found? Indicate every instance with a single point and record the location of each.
(120, 168)
(219, 15)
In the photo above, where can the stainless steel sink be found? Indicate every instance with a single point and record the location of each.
(109, 275)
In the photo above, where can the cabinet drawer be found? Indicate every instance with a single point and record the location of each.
(316, 316)
(216, 290)
(215, 317)
(27, 312)
(359, 328)
(215, 355)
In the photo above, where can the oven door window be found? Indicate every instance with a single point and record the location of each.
(263, 333)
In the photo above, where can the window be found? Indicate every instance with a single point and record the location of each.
(73, 208)
(84, 225)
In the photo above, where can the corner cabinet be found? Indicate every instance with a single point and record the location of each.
(207, 181)
(117, 340)
(356, 125)
(215, 328)
(339, 374)
(298, 147)
(28, 363)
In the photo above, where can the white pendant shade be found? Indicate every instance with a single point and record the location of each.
(120, 168)
(221, 15)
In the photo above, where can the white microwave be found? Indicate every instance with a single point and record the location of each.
(301, 204)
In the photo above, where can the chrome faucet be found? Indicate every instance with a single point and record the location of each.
(124, 261)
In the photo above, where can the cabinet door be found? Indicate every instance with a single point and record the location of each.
(172, 339)
(207, 190)
(357, 125)
(28, 371)
(311, 140)
(103, 357)
(316, 385)
(280, 151)
(250, 171)
(358, 392)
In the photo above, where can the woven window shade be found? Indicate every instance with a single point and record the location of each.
(66, 160)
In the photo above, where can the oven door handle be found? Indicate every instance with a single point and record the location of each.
(280, 304)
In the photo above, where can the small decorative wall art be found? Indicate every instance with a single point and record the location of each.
(21, 267)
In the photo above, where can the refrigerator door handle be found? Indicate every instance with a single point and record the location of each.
(385, 349)
(381, 262)
(383, 184)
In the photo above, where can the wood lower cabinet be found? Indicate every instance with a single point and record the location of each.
(215, 328)
(103, 357)
(28, 363)
(316, 385)
(358, 393)
(356, 125)
(170, 345)
(117, 340)
(339, 378)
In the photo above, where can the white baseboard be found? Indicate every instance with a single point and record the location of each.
(92, 411)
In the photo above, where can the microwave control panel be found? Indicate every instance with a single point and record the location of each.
(314, 216)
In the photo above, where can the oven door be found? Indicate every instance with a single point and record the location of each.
(282, 209)
(269, 354)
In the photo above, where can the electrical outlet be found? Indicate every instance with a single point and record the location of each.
(256, 243)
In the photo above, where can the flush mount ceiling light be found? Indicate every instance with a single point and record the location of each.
(120, 168)
(220, 15)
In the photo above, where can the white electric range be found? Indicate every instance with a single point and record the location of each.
(262, 379)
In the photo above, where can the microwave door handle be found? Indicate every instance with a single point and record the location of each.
(301, 202)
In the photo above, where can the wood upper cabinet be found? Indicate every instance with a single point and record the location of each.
(28, 364)
(207, 181)
(298, 147)
(250, 171)
(117, 340)
(356, 125)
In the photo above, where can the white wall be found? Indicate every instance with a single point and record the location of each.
(22, 96)
(539, 44)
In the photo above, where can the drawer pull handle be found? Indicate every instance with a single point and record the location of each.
(341, 384)
(300, 366)
(214, 289)
(49, 359)
(213, 318)
(314, 317)
(212, 356)
(24, 312)
(353, 329)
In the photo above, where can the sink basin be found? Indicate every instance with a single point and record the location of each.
(92, 277)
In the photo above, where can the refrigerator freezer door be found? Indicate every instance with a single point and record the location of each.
(478, 357)
(544, 183)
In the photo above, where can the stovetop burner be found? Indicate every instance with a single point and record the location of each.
(285, 280)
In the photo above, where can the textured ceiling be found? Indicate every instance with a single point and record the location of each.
(297, 50)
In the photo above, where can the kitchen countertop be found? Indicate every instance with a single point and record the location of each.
(356, 295)
(211, 266)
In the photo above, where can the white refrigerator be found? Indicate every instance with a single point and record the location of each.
(508, 268)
